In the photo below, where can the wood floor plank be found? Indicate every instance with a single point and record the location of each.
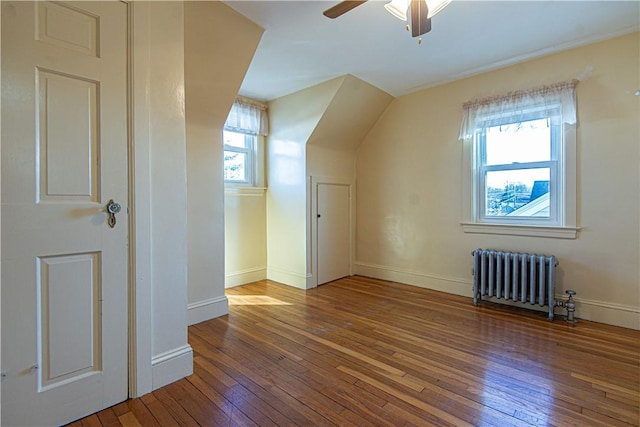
(174, 408)
(608, 386)
(161, 414)
(120, 408)
(407, 398)
(91, 421)
(364, 351)
(253, 392)
(142, 413)
(196, 404)
(226, 406)
(108, 418)
(292, 392)
(128, 419)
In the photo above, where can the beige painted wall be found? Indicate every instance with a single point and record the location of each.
(168, 200)
(245, 233)
(292, 119)
(331, 150)
(330, 162)
(161, 353)
(314, 133)
(354, 109)
(219, 45)
(409, 184)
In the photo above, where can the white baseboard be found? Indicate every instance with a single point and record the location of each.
(285, 277)
(171, 366)
(597, 311)
(243, 277)
(606, 312)
(208, 309)
(437, 283)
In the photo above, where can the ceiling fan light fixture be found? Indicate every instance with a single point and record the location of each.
(398, 8)
(436, 6)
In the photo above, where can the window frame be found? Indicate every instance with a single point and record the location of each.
(554, 164)
(248, 150)
(563, 216)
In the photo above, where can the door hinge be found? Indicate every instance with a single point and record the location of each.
(3, 375)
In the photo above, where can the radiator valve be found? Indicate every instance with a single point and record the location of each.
(569, 305)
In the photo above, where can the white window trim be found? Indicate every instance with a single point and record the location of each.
(249, 117)
(257, 172)
(237, 191)
(567, 187)
(249, 167)
(554, 164)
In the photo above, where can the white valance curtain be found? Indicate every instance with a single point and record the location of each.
(519, 105)
(248, 116)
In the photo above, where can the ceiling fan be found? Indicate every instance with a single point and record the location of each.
(421, 12)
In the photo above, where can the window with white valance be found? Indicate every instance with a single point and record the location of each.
(520, 162)
(248, 117)
(244, 130)
(517, 106)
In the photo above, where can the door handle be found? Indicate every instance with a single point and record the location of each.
(112, 209)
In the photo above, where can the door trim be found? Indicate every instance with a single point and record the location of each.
(140, 308)
(312, 248)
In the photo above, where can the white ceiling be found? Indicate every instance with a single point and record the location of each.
(300, 47)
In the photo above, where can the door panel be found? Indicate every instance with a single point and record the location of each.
(69, 317)
(334, 235)
(64, 155)
(68, 165)
(67, 26)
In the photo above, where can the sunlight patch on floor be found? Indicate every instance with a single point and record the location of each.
(255, 300)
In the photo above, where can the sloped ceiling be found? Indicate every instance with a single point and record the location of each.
(354, 109)
(216, 60)
(293, 118)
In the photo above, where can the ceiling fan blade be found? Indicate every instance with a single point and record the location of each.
(342, 7)
(420, 21)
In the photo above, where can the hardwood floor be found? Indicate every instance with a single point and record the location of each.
(367, 352)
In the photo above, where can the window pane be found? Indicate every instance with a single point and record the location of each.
(518, 143)
(235, 166)
(234, 139)
(520, 192)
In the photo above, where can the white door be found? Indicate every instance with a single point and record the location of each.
(64, 156)
(334, 233)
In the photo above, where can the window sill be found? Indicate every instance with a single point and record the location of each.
(244, 191)
(521, 230)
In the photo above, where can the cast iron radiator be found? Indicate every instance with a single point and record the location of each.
(523, 277)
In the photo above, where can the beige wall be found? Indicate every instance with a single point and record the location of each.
(172, 357)
(219, 45)
(409, 172)
(331, 152)
(160, 352)
(354, 109)
(330, 162)
(314, 134)
(292, 119)
(245, 234)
